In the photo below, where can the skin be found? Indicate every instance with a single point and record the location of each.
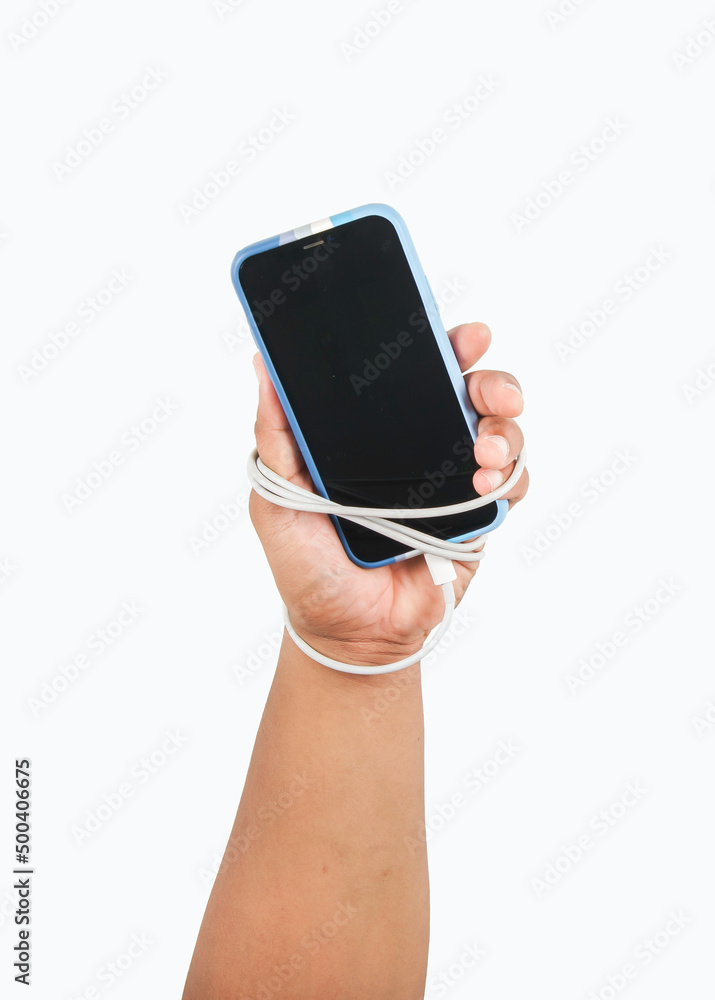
(323, 891)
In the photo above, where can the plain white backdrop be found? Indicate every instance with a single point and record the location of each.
(557, 171)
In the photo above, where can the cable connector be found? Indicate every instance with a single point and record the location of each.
(442, 570)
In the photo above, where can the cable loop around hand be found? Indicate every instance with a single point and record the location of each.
(274, 488)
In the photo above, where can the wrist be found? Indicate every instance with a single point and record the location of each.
(358, 652)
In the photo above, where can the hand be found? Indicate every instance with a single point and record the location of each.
(373, 616)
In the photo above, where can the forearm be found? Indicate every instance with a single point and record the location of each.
(321, 877)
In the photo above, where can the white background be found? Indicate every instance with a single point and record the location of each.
(546, 595)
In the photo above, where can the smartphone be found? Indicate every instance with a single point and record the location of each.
(351, 337)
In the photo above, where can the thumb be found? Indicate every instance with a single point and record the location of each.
(274, 438)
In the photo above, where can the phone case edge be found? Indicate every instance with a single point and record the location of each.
(448, 356)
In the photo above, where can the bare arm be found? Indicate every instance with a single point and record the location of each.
(318, 890)
(323, 890)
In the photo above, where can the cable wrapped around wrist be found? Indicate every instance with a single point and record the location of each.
(438, 552)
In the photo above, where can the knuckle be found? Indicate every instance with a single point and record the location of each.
(492, 424)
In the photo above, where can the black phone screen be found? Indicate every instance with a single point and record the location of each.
(345, 326)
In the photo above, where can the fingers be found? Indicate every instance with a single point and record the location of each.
(495, 394)
(469, 342)
(498, 443)
(487, 480)
(497, 398)
(274, 438)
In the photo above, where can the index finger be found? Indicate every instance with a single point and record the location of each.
(469, 342)
(274, 438)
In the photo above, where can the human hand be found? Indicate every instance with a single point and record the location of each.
(373, 616)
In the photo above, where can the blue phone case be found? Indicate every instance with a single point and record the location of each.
(435, 321)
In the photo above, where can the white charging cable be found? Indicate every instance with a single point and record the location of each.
(438, 552)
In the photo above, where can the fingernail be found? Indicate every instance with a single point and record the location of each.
(257, 367)
(501, 443)
(514, 388)
(493, 477)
